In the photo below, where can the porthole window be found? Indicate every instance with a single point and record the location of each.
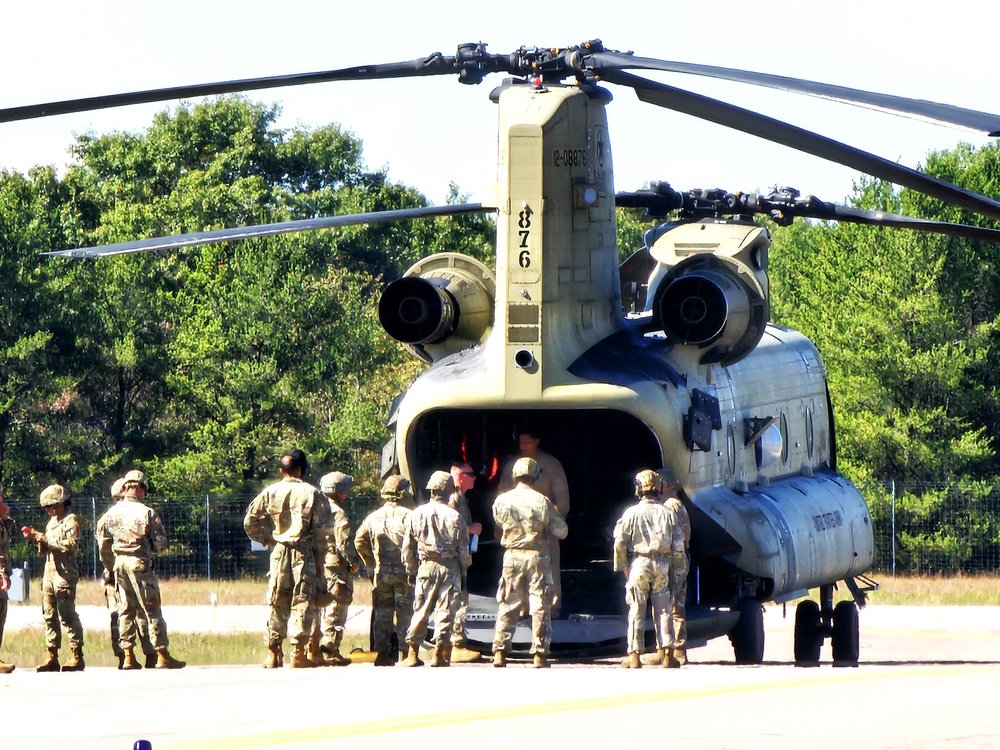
(769, 447)
(784, 439)
(809, 432)
(731, 449)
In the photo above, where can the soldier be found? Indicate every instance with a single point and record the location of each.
(128, 534)
(679, 571)
(340, 565)
(436, 534)
(465, 479)
(111, 599)
(552, 483)
(379, 543)
(289, 517)
(58, 544)
(527, 520)
(647, 536)
(6, 526)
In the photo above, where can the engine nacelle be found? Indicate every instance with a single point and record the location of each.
(441, 305)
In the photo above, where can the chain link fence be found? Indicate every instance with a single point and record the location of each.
(920, 529)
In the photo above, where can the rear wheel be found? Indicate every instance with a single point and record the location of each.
(747, 636)
(846, 639)
(808, 639)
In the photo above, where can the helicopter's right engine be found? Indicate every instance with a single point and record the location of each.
(442, 304)
(709, 287)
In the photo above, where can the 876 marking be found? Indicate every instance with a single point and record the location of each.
(524, 232)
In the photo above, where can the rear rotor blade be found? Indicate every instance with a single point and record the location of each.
(919, 109)
(782, 133)
(836, 212)
(433, 65)
(268, 230)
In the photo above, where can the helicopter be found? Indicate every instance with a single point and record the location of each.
(667, 360)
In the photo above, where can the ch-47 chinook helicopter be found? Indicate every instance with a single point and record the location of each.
(668, 361)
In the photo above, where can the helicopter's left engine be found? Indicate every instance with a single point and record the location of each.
(442, 304)
(709, 287)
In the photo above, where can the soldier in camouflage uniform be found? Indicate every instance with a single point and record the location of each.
(291, 518)
(465, 479)
(339, 567)
(6, 527)
(58, 543)
(438, 537)
(552, 483)
(111, 599)
(679, 572)
(378, 542)
(528, 521)
(128, 535)
(647, 538)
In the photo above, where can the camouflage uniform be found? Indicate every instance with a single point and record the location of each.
(128, 535)
(6, 527)
(58, 544)
(378, 542)
(678, 623)
(647, 536)
(528, 521)
(339, 564)
(438, 536)
(460, 502)
(552, 483)
(282, 518)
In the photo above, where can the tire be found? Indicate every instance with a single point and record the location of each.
(808, 639)
(747, 636)
(846, 638)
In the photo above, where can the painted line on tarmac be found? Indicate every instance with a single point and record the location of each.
(428, 721)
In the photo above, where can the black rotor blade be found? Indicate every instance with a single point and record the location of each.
(782, 133)
(837, 212)
(433, 65)
(268, 230)
(920, 109)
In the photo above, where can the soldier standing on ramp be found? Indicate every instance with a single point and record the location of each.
(379, 543)
(436, 534)
(339, 567)
(528, 521)
(679, 572)
(128, 534)
(58, 544)
(282, 518)
(646, 538)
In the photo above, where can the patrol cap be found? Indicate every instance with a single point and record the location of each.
(117, 487)
(395, 486)
(525, 467)
(648, 481)
(441, 481)
(335, 481)
(54, 494)
(295, 459)
(133, 478)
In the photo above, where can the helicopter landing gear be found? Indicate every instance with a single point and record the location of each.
(747, 636)
(808, 634)
(845, 638)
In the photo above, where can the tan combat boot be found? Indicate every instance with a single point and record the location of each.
(499, 659)
(657, 657)
(460, 654)
(165, 661)
(440, 656)
(314, 654)
(681, 655)
(51, 664)
(75, 662)
(671, 661)
(332, 654)
(5, 667)
(631, 661)
(541, 662)
(413, 658)
(128, 660)
(274, 657)
(299, 658)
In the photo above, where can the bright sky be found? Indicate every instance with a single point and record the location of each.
(435, 130)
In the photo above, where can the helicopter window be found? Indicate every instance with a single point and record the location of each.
(784, 438)
(769, 446)
(731, 448)
(809, 432)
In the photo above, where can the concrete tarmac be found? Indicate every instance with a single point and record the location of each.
(926, 678)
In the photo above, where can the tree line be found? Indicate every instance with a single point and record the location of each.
(200, 366)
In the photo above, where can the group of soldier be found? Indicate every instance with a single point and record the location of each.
(128, 535)
(419, 558)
